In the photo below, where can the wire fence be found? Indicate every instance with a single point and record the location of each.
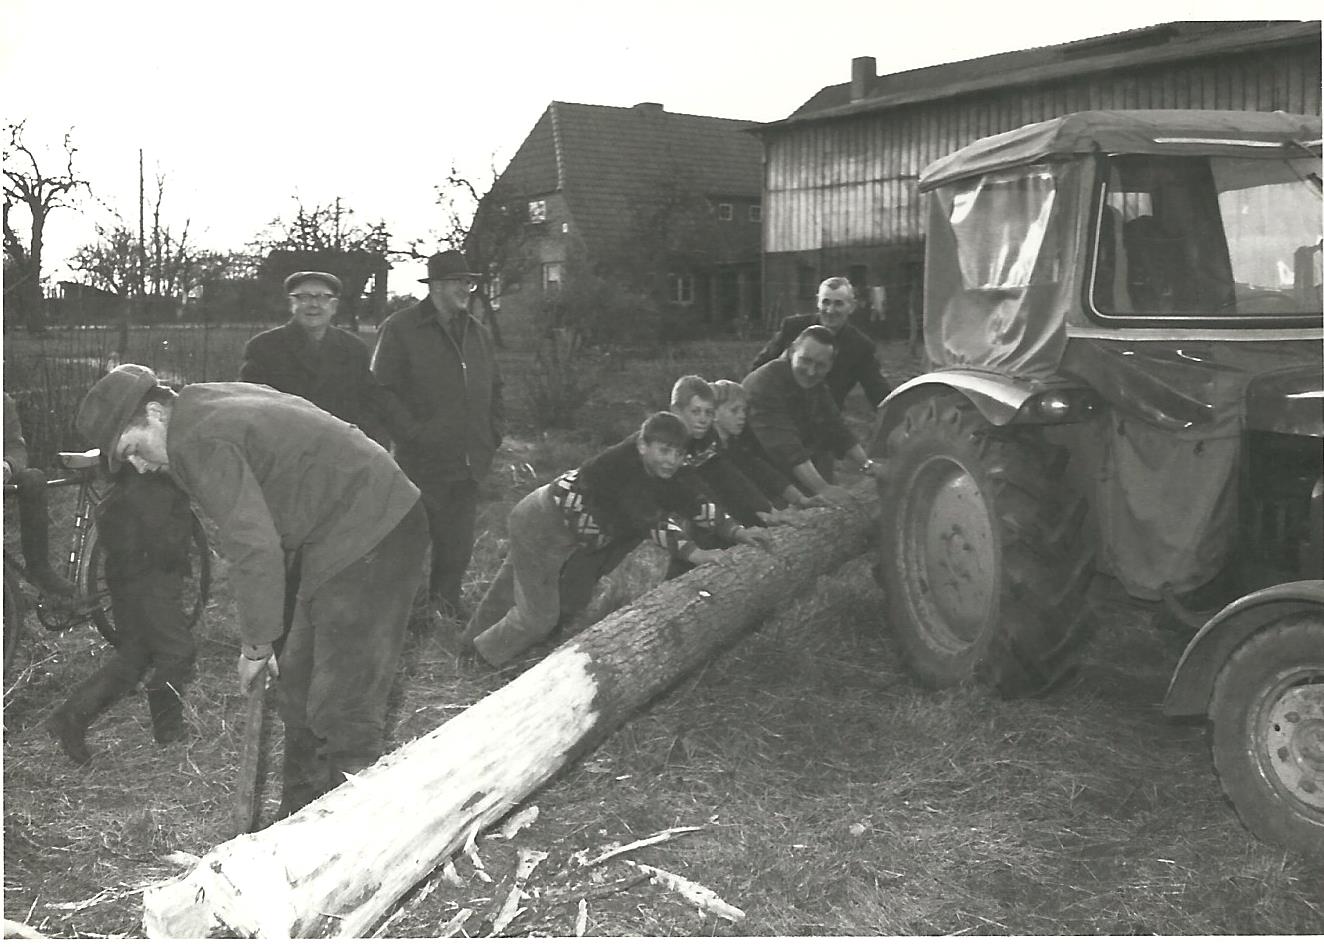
(48, 374)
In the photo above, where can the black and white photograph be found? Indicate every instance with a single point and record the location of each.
(662, 469)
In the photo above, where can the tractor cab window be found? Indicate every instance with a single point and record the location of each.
(1202, 236)
(1000, 222)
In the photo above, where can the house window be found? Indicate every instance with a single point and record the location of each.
(494, 290)
(725, 212)
(552, 274)
(755, 213)
(537, 211)
(682, 289)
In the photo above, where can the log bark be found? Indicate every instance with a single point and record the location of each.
(337, 866)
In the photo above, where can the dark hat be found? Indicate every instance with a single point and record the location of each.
(294, 279)
(109, 404)
(447, 264)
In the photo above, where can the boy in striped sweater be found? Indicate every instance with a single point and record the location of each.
(628, 491)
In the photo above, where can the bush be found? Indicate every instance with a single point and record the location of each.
(561, 380)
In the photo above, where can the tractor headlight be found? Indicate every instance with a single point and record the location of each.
(1059, 406)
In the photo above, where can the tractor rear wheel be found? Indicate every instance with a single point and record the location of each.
(983, 551)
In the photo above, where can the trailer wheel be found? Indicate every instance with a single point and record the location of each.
(982, 551)
(1268, 732)
(197, 587)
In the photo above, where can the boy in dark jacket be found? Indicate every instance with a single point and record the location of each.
(628, 491)
(146, 528)
(738, 445)
(708, 471)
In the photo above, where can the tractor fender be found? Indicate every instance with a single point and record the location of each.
(996, 397)
(1192, 684)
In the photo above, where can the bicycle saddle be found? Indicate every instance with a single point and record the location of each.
(78, 460)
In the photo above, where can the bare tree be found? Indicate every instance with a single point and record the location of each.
(326, 238)
(481, 220)
(40, 192)
(152, 276)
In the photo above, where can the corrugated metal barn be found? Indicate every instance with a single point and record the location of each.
(840, 172)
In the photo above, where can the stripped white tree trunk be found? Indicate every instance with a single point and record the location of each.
(336, 867)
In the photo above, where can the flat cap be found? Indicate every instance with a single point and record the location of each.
(331, 281)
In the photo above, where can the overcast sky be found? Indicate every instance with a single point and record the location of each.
(244, 104)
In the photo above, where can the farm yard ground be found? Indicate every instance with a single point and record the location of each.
(834, 796)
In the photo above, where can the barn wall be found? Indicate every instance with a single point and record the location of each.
(840, 195)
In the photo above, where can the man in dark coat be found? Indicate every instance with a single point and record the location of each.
(438, 363)
(796, 420)
(280, 478)
(315, 360)
(856, 361)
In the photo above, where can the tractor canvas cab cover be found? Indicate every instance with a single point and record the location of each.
(1169, 263)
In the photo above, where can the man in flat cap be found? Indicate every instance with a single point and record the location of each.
(440, 364)
(278, 476)
(311, 358)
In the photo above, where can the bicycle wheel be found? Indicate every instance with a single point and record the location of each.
(14, 613)
(92, 581)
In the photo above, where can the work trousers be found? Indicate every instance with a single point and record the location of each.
(527, 590)
(338, 660)
(452, 507)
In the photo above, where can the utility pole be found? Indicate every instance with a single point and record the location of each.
(142, 231)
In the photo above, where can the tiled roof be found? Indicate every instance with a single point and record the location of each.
(607, 159)
(1132, 47)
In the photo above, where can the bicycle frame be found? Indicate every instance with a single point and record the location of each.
(89, 495)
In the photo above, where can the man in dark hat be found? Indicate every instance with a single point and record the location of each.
(278, 476)
(311, 358)
(439, 363)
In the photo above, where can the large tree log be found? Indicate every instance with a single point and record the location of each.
(336, 867)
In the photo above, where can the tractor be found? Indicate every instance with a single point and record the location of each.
(1122, 318)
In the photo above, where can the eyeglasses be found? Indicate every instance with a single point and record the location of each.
(468, 281)
(306, 298)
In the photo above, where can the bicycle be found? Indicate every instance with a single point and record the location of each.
(85, 566)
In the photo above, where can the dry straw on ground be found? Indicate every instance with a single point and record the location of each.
(836, 797)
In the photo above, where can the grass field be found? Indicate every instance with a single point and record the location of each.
(834, 796)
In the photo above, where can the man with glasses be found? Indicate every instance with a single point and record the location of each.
(439, 364)
(311, 358)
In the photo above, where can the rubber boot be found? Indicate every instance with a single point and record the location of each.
(303, 771)
(167, 714)
(69, 723)
(34, 528)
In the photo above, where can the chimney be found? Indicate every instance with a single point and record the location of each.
(863, 71)
(651, 108)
